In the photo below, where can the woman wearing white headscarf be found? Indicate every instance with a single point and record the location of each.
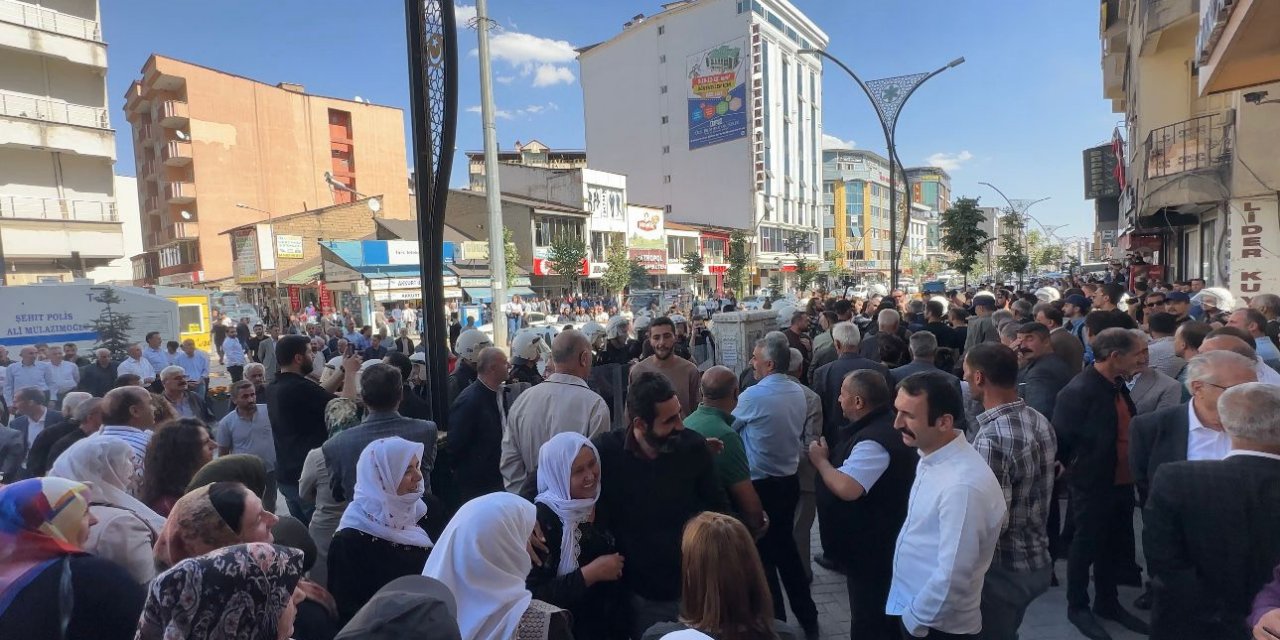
(484, 556)
(582, 567)
(127, 529)
(378, 538)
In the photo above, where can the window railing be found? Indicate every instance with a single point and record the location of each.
(29, 15)
(20, 106)
(1203, 142)
(57, 209)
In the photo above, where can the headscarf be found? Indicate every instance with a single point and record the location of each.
(341, 414)
(41, 521)
(377, 509)
(106, 466)
(236, 593)
(555, 466)
(407, 607)
(247, 469)
(194, 528)
(482, 558)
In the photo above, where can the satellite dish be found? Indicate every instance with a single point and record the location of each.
(375, 205)
(180, 134)
(359, 99)
(186, 215)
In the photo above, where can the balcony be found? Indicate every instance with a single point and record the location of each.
(19, 106)
(150, 203)
(28, 208)
(828, 244)
(176, 153)
(1161, 15)
(180, 192)
(142, 133)
(29, 15)
(44, 31)
(1204, 142)
(172, 113)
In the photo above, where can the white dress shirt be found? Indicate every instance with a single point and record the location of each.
(37, 375)
(558, 404)
(866, 463)
(1266, 373)
(954, 518)
(139, 367)
(1204, 443)
(34, 427)
(66, 375)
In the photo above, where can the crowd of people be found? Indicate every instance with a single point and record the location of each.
(949, 448)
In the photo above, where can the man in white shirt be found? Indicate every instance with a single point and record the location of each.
(514, 312)
(954, 516)
(154, 352)
(563, 402)
(27, 373)
(1224, 340)
(137, 365)
(66, 375)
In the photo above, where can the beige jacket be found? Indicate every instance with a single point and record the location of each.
(124, 538)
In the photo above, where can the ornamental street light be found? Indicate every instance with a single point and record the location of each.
(888, 96)
(1019, 207)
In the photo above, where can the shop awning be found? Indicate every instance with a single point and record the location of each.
(485, 294)
(308, 275)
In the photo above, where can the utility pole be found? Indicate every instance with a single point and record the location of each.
(492, 191)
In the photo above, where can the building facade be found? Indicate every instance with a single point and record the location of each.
(856, 211)
(931, 187)
(710, 111)
(206, 141)
(1191, 79)
(58, 213)
(529, 154)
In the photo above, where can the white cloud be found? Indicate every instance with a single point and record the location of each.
(504, 79)
(550, 75)
(463, 14)
(948, 161)
(511, 114)
(831, 142)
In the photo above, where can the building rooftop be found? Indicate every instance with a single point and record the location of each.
(536, 203)
(309, 212)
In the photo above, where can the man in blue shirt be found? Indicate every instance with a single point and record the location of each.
(154, 352)
(196, 364)
(770, 416)
(28, 372)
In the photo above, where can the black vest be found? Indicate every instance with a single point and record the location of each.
(862, 533)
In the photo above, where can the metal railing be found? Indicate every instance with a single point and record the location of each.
(45, 19)
(1203, 142)
(20, 106)
(57, 209)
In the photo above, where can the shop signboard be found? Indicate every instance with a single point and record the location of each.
(654, 261)
(717, 94)
(1254, 244)
(295, 298)
(288, 246)
(244, 252)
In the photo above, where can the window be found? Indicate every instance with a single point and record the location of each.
(713, 250)
(662, 59)
(662, 29)
(666, 148)
(757, 7)
(665, 119)
(775, 21)
(677, 246)
(666, 179)
(191, 319)
(662, 89)
(742, 5)
(667, 208)
(601, 241)
(548, 228)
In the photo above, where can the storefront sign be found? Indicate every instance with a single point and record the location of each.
(654, 261)
(474, 250)
(326, 296)
(718, 269)
(387, 284)
(542, 267)
(402, 252)
(397, 296)
(605, 202)
(289, 247)
(717, 97)
(295, 298)
(1255, 243)
(244, 251)
(1100, 173)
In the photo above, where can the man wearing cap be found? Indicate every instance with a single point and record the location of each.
(981, 328)
(1179, 304)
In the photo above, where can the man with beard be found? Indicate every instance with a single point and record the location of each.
(296, 409)
(681, 373)
(661, 474)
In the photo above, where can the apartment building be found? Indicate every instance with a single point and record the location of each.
(58, 214)
(529, 154)
(856, 210)
(215, 150)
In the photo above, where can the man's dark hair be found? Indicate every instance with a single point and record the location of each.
(892, 348)
(30, 394)
(934, 309)
(290, 347)
(1099, 321)
(939, 391)
(832, 317)
(172, 345)
(1162, 322)
(869, 385)
(147, 338)
(663, 321)
(1253, 316)
(1111, 341)
(1113, 292)
(1194, 332)
(1233, 331)
(997, 362)
(643, 396)
(381, 387)
(401, 362)
(126, 380)
(1052, 314)
(1027, 328)
(958, 314)
(796, 315)
(843, 307)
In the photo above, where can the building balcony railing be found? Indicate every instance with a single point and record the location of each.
(180, 231)
(1203, 142)
(172, 113)
(1158, 15)
(713, 257)
(142, 133)
(29, 15)
(20, 106)
(23, 207)
(150, 203)
(176, 153)
(180, 192)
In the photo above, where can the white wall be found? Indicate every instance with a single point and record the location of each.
(121, 269)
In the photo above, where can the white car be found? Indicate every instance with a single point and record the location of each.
(547, 325)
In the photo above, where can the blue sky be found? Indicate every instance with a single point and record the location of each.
(1017, 114)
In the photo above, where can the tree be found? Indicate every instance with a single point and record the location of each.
(962, 235)
(565, 256)
(693, 264)
(112, 326)
(838, 273)
(798, 244)
(617, 273)
(1013, 258)
(739, 262)
(512, 255)
(638, 276)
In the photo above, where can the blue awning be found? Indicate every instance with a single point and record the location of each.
(374, 258)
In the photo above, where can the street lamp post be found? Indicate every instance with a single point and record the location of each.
(1019, 209)
(888, 96)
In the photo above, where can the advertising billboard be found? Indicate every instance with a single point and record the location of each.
(645, 228)
(718, 94)
(244, 252)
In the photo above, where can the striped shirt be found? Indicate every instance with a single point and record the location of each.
(136, 438)
(1020, 447)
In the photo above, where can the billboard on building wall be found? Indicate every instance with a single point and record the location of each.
(645, 228)
(1252, 244)
(244, 254)
(718, 94)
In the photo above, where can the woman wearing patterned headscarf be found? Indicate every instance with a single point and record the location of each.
(212, 517)
(244, 592)
(49, 586)
(127, 529)
(379, 539)
(581, 570)
(339, 415)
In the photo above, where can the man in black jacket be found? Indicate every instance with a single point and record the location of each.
(1043, 373)
(862, 502)
(1091, 417)
(1211, 528)
(828, 378)
(99, 376)
(475, 439)
(411, 404)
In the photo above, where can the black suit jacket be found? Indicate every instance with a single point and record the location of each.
(21, 424)
(1154, 439)
(1040, 380)
(1084, 418)
(1211, 536)
(826, 382)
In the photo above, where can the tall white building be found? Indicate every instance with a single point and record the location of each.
(58, 214)
(709, 110)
